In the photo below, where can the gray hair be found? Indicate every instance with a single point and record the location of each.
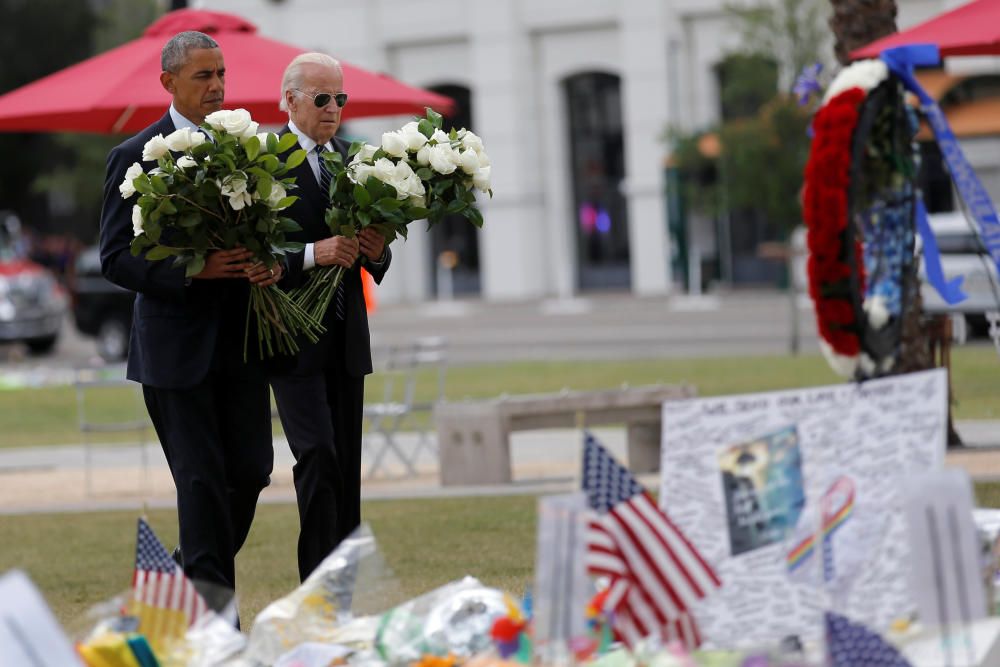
(292, 78)
(175, 52)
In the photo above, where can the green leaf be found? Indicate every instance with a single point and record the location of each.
(195, 266)
(435, 118)
(189, 220)
(365, 218)
(295, 159)
(158, 184)
(285, 143)
(475, 216)
(334, 217)
(285, 202)
(159, 252)
(269, 162)
(389, 203)
(167, 207)
(228, 161)
(264, 186)
(252, 147)
(355, 148)
(425, 173)
(348, 230)
(417, 213)
(142, 184)
(456, 206)
(426, 127)
(288, 225)
(361, 196)
(272, 142)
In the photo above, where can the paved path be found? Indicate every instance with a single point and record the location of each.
(57, 479)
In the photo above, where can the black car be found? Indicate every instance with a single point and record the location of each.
(101, 308)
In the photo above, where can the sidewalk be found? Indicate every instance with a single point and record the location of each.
(56, 479)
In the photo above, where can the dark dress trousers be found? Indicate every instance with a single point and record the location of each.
(320, 395)
(211, 411)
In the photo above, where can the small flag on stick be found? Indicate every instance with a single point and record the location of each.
(163, 599)
(655, 572)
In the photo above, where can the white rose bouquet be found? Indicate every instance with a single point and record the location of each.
(419, 172)
(217, 195)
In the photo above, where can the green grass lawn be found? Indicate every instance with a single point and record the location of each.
(79, 560)
(46, 416)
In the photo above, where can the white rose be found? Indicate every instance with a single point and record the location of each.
(233, 122)
(186, 161)
(235, 185)
(198, 138)
(250, 131)
(136, 220)
(403, 170)
(481, 179)
(484, 159)
(155, 148)
(366, 153)
(385, 170)
(412, 136)
(468, 160)
(472, 141)
(424, 155)
(361, 172)
(394, 144)
(262, 136)
(238, 201)
(277, 194)
(441, 137)
(127, 187)
(443, 159)
(411, 186)
(418, 200)
(180, 140)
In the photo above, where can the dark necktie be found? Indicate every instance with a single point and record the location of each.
(325, 177)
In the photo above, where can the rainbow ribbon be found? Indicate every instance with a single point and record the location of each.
(833, 518)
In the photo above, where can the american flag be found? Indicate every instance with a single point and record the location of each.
(655, 572)
(164, 600)
(853, 645)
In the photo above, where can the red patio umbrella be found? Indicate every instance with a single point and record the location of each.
(119, 91)
(970, 30)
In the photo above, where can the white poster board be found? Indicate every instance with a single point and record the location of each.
(756, 480)
(29, 633)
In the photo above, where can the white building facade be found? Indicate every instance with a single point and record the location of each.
(573, 99)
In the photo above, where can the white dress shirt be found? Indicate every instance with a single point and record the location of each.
(308, 254)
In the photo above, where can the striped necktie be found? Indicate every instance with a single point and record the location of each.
(325, 177)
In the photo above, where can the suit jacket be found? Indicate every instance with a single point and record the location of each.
(177, 329)
(309, 212)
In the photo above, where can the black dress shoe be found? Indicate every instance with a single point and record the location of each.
(176, 555)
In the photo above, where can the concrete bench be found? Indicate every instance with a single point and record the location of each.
(474, 436)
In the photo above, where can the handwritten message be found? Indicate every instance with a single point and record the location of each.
(719, 467)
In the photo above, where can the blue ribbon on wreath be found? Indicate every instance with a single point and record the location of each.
(901, 60)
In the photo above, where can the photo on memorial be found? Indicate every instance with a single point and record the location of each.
(762, 487)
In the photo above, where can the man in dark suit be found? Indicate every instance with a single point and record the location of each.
(211, 411)
(320, 398)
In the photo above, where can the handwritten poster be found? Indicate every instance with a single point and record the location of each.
(752, 479)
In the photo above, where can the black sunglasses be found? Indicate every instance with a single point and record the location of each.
(323, 99)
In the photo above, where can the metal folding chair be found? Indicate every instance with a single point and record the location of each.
(89, 382)
(403, 366)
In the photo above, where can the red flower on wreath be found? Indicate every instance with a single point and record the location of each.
(825, 211)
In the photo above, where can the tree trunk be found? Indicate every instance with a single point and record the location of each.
(856, 23)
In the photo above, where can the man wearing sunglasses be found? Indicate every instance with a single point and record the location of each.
(321, 395)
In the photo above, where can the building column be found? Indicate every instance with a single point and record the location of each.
(512, 245)
(645, 112)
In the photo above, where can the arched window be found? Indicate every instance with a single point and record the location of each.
(597, 168)
(455, 242)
